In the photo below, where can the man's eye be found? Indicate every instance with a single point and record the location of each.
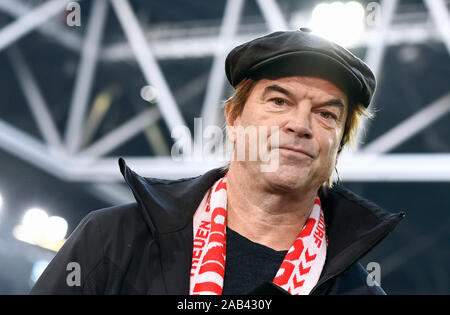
(328, 115)
(278, 101)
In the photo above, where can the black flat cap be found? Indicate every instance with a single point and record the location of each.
(289, 53)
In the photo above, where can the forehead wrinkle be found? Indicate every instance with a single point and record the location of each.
(303, 89)
(277, 88)
(298, 93)
(316, 90)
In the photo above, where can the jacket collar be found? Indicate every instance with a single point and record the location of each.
(168, 207)
(353, 224)
(169, 204)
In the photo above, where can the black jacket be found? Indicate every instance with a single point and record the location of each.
(146, 247)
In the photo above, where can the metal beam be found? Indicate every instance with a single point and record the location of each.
(416, 167)
(411, 126)
(205, 46)
(31, 150)
(359, 167)
(30, 21)
(273, 15)
(148, 63)
(106, 169)
(85, 75)
(178, 48)
(216, 82)
(50, 28)
(376, 47)
(375, 54)
(192, 88)
(409, 31)
(441, 17)
(35, 99)
(121, 134)
(356, 168)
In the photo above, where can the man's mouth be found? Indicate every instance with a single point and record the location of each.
(297, 151)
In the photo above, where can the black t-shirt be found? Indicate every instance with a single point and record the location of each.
(248, 264)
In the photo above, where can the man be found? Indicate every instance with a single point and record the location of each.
(238, 229)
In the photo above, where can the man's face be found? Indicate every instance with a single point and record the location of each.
(310, 115)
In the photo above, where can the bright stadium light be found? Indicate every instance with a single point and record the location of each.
(38, 228)
(56, 229)
(33, 225)
(340, 22)
(149, 94)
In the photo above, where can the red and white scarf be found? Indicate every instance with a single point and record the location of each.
(299, 271)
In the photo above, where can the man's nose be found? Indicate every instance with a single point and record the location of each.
(300, 122)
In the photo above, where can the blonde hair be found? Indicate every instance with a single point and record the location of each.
(353, 122)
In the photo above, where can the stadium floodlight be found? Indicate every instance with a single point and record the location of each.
(56, 229)
(340, 22)
(33, 225)
(149, 94)
(37, 228)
